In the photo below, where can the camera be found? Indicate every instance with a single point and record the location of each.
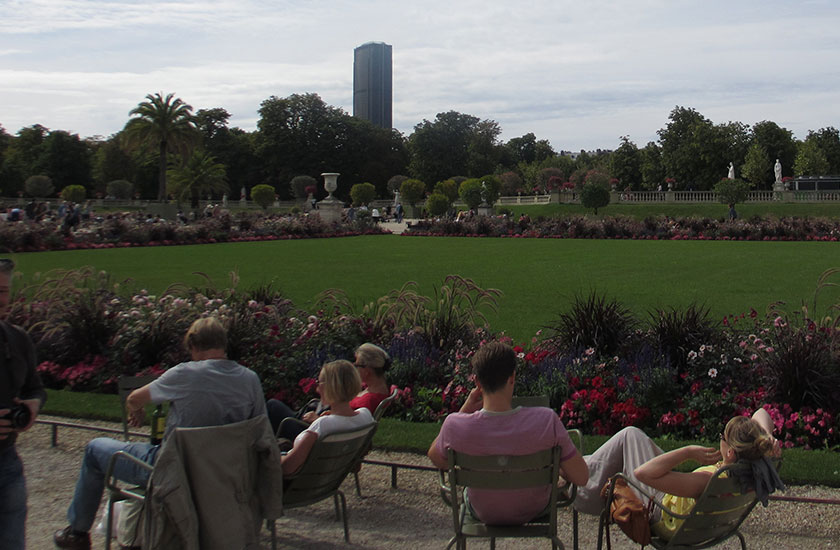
(19, 415)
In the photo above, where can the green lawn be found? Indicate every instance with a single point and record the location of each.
(708, 210)
(538, 276)
(799, 467)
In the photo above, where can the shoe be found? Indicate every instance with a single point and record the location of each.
(67, 538)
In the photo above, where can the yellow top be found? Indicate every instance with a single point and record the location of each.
(668, 525)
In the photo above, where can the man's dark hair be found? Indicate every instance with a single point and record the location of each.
(493, 364)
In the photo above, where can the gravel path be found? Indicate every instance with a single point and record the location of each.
(412, 515)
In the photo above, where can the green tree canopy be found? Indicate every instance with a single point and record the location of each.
(119, 189)
(166, 124)
(447, 188)
(810, 160)
(362, 193)
(594, 195)
(39, 186)
(650, 166)
(778, 142)
(412, 191)
(437, 204)
(758, 168)
(470, 192)
(200, 175)
(452, 144)
(299, 184)
(625, 164)
(828, 141)
(732, 191)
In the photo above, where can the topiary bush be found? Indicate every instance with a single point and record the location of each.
(120, 189)
(437, 204)
(39, 186)
(299, 186)
(594, 196)
(74, 193)
(263, 195)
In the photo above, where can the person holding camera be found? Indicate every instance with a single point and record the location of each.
(21, 397)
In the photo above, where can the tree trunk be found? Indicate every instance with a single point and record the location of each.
(162, 172)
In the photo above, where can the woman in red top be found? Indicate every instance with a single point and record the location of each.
(371, 362)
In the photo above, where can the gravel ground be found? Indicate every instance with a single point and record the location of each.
(409, 516)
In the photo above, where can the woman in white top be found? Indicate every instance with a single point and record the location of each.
(338, 383)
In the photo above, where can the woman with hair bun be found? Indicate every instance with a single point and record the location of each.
(634, 454)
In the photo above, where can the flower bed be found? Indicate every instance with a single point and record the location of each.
(621, 227)
(129, 230)
(679, 375)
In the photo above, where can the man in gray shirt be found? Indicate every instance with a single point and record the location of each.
(210, 390)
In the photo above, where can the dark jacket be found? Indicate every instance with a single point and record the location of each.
(18, 377)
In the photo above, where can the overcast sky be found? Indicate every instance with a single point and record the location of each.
(578, 73)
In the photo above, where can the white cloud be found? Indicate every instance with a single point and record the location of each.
(577, 73)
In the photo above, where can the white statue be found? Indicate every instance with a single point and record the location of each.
(778, 171)
(731, 171)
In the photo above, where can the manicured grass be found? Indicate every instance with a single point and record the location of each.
(538, 276)
(799, 466)
(702, 210)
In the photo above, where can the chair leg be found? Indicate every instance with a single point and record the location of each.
(108, 521)
(358, 487)
(574, 529)
(602, 527)
(492, 543)
(743, 541)
(272, 525)
(344, 517)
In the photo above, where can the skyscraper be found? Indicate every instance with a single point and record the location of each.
(372, 83)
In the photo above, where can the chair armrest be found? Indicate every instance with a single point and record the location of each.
(111, 482)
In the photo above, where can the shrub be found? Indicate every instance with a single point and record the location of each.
(595, 196)
(74, 193)
(299, 186)
(411, 191)
(120, 189)
(437, 204)
(39, 186)
(676, 332)
(263, 195)
(732, 191)
(593, 322)
(447, 188)
(470, 192)
(362, 193)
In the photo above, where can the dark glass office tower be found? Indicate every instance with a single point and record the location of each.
(372, 83)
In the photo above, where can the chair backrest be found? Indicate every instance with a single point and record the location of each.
(384, 404)
(504, 471)
(718, 513)
(530, 401)
(126, 385)
(328, 463)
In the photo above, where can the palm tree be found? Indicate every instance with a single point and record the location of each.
(165, 122)
(199, 175)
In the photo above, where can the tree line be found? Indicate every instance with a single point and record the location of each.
(166, 150)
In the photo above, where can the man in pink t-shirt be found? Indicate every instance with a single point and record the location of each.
(488, 425)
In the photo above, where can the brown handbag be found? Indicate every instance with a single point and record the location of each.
(628, 512)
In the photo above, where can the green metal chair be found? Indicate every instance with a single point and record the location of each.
(717, 514)
(377, 415)
(502, 472)
(328, 464)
